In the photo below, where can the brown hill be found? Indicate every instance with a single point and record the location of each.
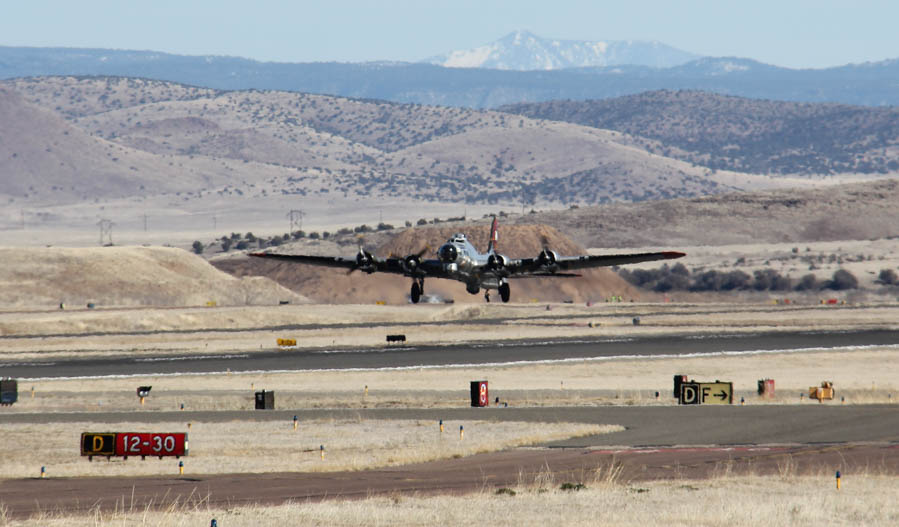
(43, 155)
(47, 160)
(336, 286)
(125, 276)
(747, 135)
(859, 211)
(325, 145)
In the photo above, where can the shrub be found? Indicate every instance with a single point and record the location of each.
(807, 283)
(843, 279)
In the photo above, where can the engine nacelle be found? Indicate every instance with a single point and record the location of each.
(547, 258)
(411, 263)
(448, 253)
(365, 261)
(497, 261)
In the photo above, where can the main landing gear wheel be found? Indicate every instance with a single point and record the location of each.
(504, 292)
(418, 289)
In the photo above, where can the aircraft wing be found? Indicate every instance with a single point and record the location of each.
(324, 261)
(364, 261)
(548, 264)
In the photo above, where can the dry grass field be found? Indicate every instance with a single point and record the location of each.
(237, 447)
(748, 501)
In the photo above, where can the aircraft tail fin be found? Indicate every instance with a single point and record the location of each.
(491, 246)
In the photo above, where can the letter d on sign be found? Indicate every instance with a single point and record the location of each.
(689, 393)
(98, 444)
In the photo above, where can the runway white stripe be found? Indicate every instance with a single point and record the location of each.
(482, 364)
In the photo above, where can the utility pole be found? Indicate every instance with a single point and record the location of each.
(214, 222)
(296, 220)
(105, 231)
(145, 222)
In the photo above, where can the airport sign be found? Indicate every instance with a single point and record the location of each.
(119, 444)
(706, 393)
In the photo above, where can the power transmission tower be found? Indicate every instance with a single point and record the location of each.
(296, 220)
(105, 231)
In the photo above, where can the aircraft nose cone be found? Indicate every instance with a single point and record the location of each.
(448, 253)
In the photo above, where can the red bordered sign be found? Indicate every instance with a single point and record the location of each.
(150, 444)
(124, 444)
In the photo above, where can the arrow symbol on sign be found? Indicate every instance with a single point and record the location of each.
(722, 394)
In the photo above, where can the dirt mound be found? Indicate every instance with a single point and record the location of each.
(125, 276)
(515, 241)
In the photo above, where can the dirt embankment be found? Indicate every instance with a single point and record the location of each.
(125, 276)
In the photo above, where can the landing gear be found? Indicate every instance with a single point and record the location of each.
(418, 289)
(504, 291)
(487, 295)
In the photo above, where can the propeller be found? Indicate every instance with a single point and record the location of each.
(364, 260)
(547, 256)
(413, 261)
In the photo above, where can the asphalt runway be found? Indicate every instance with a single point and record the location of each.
(659, 442)
(418, 356)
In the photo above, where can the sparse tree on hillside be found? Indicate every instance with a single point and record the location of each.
(226, 244)
(198, 247)
(888, 277)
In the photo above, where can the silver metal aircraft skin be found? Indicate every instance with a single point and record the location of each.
(458, 259)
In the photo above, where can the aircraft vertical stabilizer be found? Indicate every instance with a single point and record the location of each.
(491, 246)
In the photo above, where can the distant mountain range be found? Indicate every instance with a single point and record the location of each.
(523, 51)
(870, 84)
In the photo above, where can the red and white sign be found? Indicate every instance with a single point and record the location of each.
(150, 444)
(482, 396)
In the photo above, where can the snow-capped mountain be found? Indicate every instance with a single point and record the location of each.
(522, 50)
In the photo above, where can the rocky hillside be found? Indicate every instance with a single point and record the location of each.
(46, 159)
(257, 144)
(745, 135)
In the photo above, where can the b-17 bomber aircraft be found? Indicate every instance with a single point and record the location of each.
(458, 259)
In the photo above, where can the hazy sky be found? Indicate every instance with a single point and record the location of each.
(792, 33)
